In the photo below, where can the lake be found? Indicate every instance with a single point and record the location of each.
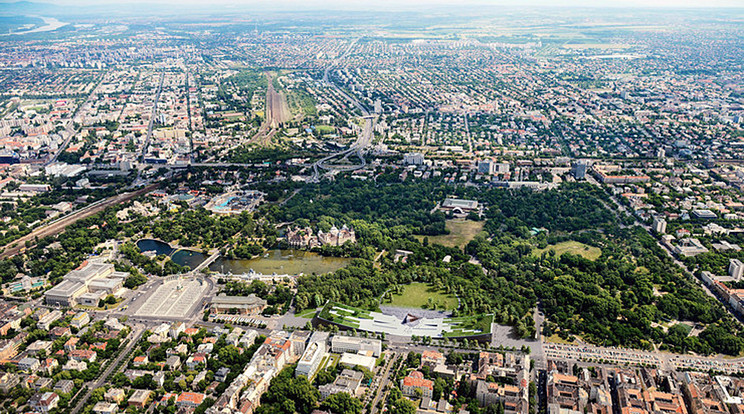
(181, 257)
(290, 261)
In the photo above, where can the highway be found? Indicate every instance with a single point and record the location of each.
(364, 139)
(56, 227)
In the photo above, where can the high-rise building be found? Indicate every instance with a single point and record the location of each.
(659, 225)
(502, 168)
(487, 167)
(736, 269)
(413, 158)
(578, 170)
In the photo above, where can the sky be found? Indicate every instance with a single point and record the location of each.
(408, 4)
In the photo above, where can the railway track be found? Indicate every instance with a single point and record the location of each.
(18, 246)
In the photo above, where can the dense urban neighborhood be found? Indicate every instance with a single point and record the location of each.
(470, 210)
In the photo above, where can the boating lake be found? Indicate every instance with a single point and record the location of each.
(289, 261)
(181, 257)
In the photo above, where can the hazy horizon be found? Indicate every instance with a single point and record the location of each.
(392, 5)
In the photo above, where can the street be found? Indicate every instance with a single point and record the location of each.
(111, 368)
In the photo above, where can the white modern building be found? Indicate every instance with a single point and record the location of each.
(659, 225)
(310, 359)
(736, 269)
(413, 158)
(358, 360)
(341, 344)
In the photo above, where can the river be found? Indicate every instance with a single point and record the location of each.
(50, 24)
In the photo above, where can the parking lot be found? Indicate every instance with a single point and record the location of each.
(503, 335)
(241, 320)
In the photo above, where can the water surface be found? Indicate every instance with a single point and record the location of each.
(181, 257)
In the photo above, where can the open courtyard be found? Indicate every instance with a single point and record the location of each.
(174, 298)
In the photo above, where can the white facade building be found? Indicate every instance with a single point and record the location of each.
(736, 269)
(341, 344)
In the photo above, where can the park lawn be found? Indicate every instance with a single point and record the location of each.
(573, 247)
(325, 129)
(461, 231)
(307, 313)
(416, 295)
(558, 340)
(468, 325)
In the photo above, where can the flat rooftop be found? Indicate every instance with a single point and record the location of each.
(66, 288)
(456, 202)
(237, 300)
(90, 271)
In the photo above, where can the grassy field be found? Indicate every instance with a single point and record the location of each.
(325, 129)
(461, 232)
(416, 295)
(573, 247)
(301, 102)
(558, 340)
(468, 325)
(307, 313)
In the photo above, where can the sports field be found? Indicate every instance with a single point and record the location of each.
(573, 247)
(417, 295)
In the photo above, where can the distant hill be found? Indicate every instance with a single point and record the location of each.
(29, 7)
(24, 7)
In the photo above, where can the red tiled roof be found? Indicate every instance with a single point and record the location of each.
(416, 379)
(190, 397)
